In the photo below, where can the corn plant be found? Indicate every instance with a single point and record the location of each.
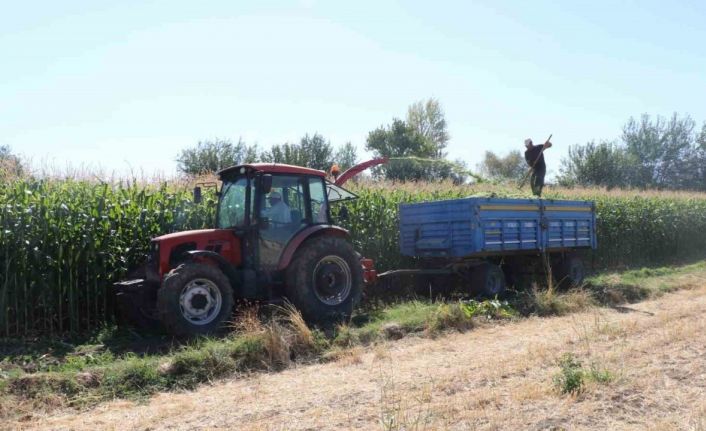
(633, 228)
(63, 243)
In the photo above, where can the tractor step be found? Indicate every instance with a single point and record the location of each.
(134, 284)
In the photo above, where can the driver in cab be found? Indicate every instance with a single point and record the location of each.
(278, 211)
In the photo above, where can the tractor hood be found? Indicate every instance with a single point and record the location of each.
(170, 248)
(190, 234)
(201, 239)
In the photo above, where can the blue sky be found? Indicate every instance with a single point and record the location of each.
(126, 85)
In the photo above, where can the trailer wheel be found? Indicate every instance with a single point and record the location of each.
(489, 279)
(325, 280)
(570, 271)
(194, 299)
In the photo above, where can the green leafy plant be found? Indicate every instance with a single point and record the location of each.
(570, 379)
(489, 308)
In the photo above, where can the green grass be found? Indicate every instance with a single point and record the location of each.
(639, 275)
(114, 363)
(409, 316)
(612, 288)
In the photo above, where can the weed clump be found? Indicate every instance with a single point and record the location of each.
(488, 309)
(448, 316)
(570, 379)
(550, 302)
(135, 378)
(190, 367)
(572, 376)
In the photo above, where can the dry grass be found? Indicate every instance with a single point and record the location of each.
(303, 336)
(496, 377)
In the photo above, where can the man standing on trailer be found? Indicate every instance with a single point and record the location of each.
(535, 159)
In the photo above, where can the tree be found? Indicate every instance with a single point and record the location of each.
(701, 138)
(399, 140)
(698, 160)
(427, 118)
(510, 167)
(665, 149)
(212, 156)
(652, 153)
(10, 164)
(597, 164)
(311, 151)
(346, 156)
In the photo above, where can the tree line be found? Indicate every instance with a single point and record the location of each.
(415, 145)
(10, 164)
(652, 152)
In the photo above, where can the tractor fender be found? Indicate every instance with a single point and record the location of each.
(228, 269)
(309, 232)
(220, 260)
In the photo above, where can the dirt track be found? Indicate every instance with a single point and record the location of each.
(494, 377)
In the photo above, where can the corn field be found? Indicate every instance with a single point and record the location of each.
(634, 228)
(64, 242)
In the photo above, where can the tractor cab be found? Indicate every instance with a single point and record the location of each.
(269, 205)
(273, 239)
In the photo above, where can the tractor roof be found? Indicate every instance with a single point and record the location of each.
(271, 168)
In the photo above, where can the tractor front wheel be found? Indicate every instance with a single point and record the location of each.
(325, 280)
(194, 299)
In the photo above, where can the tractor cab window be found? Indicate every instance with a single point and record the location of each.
(336, 198)
(284, 205)
(338, 194)
(286, 213)
(231, 207)
(319, 207)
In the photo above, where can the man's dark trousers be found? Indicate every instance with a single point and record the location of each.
(537, 181)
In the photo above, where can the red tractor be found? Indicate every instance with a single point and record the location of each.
(273, 239)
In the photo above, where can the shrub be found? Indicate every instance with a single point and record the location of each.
(490, 309)
(570, 379)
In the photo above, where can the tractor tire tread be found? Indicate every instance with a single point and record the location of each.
(300, 291)
(168, 299)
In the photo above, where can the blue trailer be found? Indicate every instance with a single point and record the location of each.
(494, 239)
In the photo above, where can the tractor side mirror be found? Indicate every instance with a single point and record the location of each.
(266, 183)
(197, 195)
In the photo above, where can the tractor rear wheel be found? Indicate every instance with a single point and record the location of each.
(325, 280)
(194, 299)
(489, 279)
